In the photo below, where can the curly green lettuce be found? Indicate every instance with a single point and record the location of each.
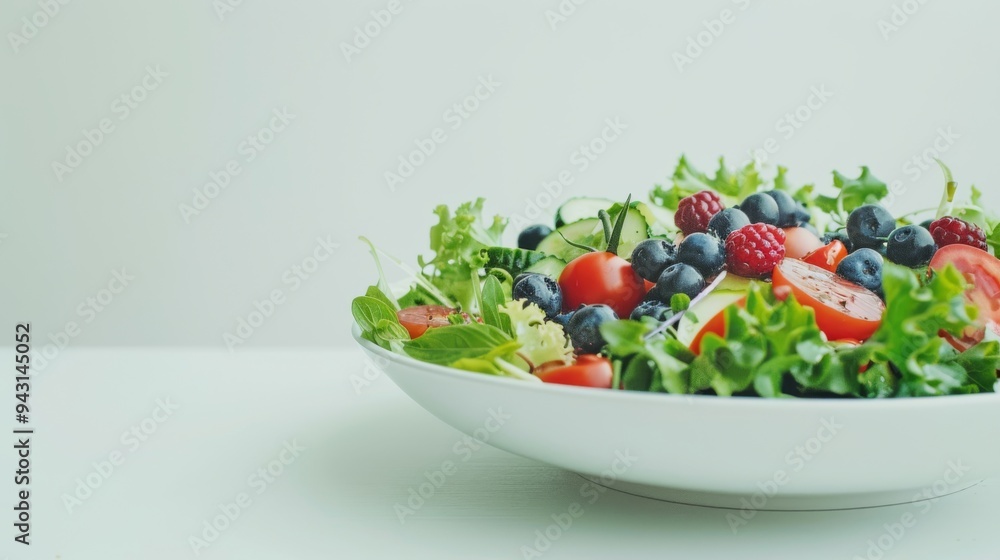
(457, 241)
(732, 185)
(773, 348)
(541, 341)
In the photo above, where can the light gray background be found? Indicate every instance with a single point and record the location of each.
(323, 176)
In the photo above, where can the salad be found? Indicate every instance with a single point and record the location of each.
(732, 284)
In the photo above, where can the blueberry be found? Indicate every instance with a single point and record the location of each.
(802, 215)
(677, 279)
(869, 225)
(651, 257)
(564, 318)
(786, 208)
(926, 224)
(654, 309)
(761, 208)
(704, 252)
(863, 267)
(532, 236)
(541, 290)
(911, 246)
(839, 235)
(727, 221)
(585, 327)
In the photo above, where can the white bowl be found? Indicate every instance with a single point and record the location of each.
(741, 453)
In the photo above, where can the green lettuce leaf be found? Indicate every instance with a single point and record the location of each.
(458, 240)
(852, 193)
(733, 185)
(909, 347)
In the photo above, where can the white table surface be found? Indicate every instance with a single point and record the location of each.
(364, 451)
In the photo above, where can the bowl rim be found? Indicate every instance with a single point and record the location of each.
(668, 398)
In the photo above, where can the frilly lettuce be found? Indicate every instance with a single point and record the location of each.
(457, 241)
(541, 341)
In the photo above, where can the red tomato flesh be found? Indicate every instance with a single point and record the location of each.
(982, 272)
(417, 320)
(843, 309)
(828, 257)
(588, 371)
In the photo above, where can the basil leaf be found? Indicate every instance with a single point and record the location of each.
(376, 293)
(447, 345)
(368, 311)
(493, 299)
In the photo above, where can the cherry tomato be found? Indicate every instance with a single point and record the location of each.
(715, 325)
(843, 309)
(828, 256)
(982, 272)
(417, 320)
(588, 371)
(799, 242)
(602, 277)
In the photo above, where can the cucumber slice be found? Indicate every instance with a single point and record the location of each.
(577, 209)
(514, 261)
(635, 231)
(551, 266)
(590, 232)
(585, 232)
(661, 220)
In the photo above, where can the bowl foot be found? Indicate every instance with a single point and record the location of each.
(776, 502)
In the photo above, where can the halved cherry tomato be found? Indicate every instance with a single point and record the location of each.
(649, 285)
(602, 277)
(799, 242)
(417, 320)
(588, 371)
(982, 272)
(843, 309)
(715, 325)
(828, 257)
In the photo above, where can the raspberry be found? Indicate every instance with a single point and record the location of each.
(753, 251)
(952, 231)
(695, 211)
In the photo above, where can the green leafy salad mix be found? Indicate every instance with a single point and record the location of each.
(727, 284)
